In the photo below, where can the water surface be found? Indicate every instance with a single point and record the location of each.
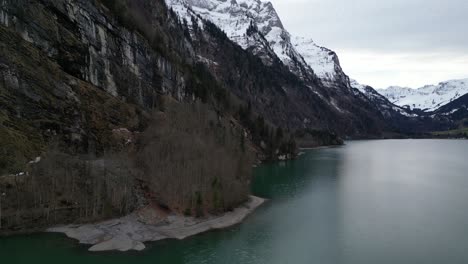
(395, 201)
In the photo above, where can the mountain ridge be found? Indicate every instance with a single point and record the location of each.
(429, 97)
(256, 27)
(236, 17)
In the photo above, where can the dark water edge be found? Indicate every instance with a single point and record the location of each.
(386, 201)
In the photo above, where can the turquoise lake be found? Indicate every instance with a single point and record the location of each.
(383, 201)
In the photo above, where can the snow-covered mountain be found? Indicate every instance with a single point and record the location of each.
(323, 61)
(255, 26)
(387, 108)
(428, 98)
(242, 19)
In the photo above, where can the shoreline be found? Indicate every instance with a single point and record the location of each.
(131, 232)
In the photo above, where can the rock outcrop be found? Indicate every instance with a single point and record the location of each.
(130, 232)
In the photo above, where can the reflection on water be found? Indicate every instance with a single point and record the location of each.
(396, 201)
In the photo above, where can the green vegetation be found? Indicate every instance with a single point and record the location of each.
(308, 138)
(203, 85)
(274, 142)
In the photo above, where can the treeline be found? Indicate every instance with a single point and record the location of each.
(309, 138)
(274, 142)
(189, 160)
(62, 188)
(444, 135)
(204, 86)
(195, 160)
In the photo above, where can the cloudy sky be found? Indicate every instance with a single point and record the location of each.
(391, 42)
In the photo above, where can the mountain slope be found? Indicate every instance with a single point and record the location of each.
(382, 103)
(324, 62)
(457, 111)
(256, 28)
(278, 94)
(235, 18)
(400, 119)
(428, 98)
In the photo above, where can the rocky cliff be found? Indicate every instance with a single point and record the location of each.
(238, 19)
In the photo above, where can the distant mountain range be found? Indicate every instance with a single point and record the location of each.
(428, 98)
(437, 107)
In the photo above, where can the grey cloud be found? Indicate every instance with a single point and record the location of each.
(387, 42)
(397, 25)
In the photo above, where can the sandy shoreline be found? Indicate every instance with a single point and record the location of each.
(130, 232)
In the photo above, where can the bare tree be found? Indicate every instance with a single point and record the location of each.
(194, 159)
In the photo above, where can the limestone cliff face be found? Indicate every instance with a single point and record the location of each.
(89, 43)
(57, 54)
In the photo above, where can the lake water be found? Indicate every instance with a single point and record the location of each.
(395, 201)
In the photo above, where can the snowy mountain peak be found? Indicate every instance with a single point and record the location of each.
(302, 56)
(235, 17)
(387, 108)
(323, 61)
(356, 85)
(427, 98)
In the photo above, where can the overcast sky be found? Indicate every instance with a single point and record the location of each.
(390, 42)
